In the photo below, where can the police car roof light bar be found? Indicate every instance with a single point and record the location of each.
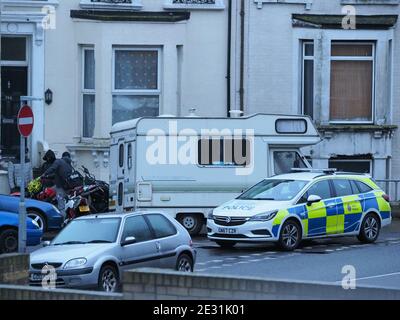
(311, 170)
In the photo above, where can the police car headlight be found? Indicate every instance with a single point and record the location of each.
(266, 216)
(210, 216)
(75, 263)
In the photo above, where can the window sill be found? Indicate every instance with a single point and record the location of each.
(356, 127)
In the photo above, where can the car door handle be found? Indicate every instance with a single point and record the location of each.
(331, 206)
(158, 246)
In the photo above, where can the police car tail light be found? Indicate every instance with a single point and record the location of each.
(386, 197)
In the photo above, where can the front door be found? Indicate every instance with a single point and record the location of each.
(321, 216)
(145, 251)
(167, 235)
(14, 83)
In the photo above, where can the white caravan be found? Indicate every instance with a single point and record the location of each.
(189, 166)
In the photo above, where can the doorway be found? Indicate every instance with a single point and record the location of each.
(14, 83)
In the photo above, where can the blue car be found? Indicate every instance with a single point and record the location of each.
(9, 232)
(45, 214)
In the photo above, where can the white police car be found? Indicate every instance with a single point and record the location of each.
(291, 207)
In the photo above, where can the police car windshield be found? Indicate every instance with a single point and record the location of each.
(274, 190)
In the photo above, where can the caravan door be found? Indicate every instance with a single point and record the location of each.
(283, 160)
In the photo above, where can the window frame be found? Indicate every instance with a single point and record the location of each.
(370, 161)
(146, 217)
(18, 63)
(222, 148)
(305, 58)
(355, 58)
(84, 91)
(146, 222)
(331, 188)
(335, 190)
(137, 92)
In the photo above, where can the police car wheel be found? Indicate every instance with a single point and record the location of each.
(226, 244)
(290, 236)
(370, 228)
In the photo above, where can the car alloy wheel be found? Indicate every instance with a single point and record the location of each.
(109, 280)
(185, 264)
(38, 218)
(371, 227)
(290, 235)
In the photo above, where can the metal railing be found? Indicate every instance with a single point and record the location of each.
(391, 187)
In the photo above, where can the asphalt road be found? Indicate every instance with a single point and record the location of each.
(376, 264)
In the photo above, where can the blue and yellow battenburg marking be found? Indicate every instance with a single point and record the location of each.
(335, 216)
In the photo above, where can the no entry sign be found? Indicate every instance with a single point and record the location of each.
(25, 121)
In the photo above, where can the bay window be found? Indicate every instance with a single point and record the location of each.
(136, 83)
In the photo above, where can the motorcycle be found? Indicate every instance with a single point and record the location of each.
(91, 197)
(75, 207)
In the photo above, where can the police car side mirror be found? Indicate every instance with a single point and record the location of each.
(313, 199)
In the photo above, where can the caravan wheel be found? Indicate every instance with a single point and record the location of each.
(192, 222)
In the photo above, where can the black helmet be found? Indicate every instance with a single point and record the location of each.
(66, 154)
(49, 156)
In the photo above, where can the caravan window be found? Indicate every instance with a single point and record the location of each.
(121, 155)
(224, 152)
(130, 156)
(284, 161)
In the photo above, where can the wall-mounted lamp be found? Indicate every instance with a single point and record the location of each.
(48, 96)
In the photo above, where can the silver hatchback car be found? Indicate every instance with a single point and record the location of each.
(93, 251)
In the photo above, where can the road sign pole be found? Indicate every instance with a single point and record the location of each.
(22, 209)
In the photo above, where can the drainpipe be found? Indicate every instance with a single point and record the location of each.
(242, 31)
(229, 52)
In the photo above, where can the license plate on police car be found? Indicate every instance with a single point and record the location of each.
(227, 230)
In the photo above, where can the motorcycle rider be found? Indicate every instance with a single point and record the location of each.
(49, 159)
(61, 169)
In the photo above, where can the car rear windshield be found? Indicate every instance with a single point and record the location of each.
(103, 230)
(274, 190)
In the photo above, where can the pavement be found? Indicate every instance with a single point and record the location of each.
(375, 264)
